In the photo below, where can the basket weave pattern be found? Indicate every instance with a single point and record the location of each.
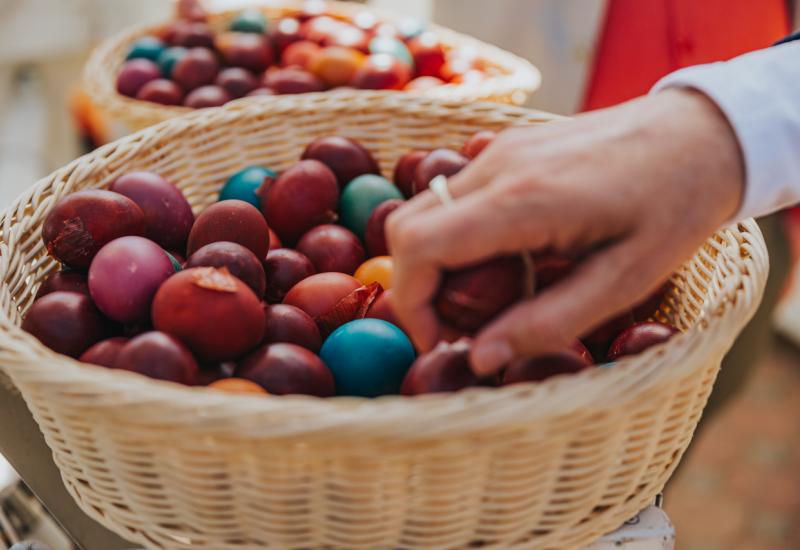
(551, 465)
(512, 79)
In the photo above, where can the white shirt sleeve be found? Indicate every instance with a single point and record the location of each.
(759, 93)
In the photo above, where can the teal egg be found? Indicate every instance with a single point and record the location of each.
(360, 197)
(249, 21)
(147, 47)
(409, 27)
(168, 58)
(392, 46)
(244, 184)
(175, 263)
(368, 357)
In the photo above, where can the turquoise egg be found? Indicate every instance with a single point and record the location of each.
(392, 46)
(244, 184)
(168, 58)
(249, 21)
(147, 47)
(175, 263)
(360, 197)
(368, 357)
(409, 27)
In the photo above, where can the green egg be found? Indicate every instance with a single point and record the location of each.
(168, 58)
(244, 185)
(360, 197)
(249, 21)
(147, 47)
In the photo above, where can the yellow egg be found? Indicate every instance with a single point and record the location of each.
(377, 269)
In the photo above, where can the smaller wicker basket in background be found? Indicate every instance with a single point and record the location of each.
(512, 79)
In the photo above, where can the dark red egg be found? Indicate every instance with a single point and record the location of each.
(168, 216)
(542, 368)
(302, 197)
(332, 248)
(470, 297)
(274, 240)
(423, 84)
(104, 353)
(240, 261)
(428, 53)
(215, 314)
(318, 294)
(238, 82)
(550, 268)
(198, 67)
(207, 96)
(286, 31)
(381, 72)
(291, 325)
(381, 308)
(192, 34)
(260, 92)
(583, 352)
(375, 233)
(477, 143)
(158, 356)
(318, 29)
(445, 368)
(439, 162)
(600, 338)
(404, 171)
(637, 338)
(162, 91)
(234, 221)
(70, 281)
(80, 224)
(284, 369)
(135, 74)
(285, 268)
(249, 50)
(299, 54)
(346, 158)
(292, 80)
(66, 322)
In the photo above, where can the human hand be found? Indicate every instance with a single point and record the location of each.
(639, 187)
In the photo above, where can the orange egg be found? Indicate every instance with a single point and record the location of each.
(238, 386)
(336, 65)
(377, 269)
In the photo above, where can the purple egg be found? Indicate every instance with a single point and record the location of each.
(168, 215)
(135, 74)
(125, 275)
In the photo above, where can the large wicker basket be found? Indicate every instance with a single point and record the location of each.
(513, 79)
(550, 465)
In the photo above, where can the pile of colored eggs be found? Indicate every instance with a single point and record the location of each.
(283, 286)
(189, 63)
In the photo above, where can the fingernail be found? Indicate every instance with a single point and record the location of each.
(490, 356)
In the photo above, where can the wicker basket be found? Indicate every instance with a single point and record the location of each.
(513, 79)
(550, 465)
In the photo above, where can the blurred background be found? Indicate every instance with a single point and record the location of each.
(739, 487)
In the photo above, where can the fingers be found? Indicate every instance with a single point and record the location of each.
(411, 302)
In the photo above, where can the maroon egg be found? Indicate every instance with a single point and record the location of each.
(477, 143)
(135, 74)
(274, 240)
(192, 34)
(198, 67)
(637, 338)
(234, 221)
(284, 369)
(428, 53)
(318, 294)
(248, 50)
(104, 353)
(291, 325)
(375, 233)
(80, 224)
(550, 268)
(445, 368)
(162, 91)
(405, 169)
(236, 81)
(382, 72)
(332, 248)
(345, 157)
(70, 281)
(158, 356)
(286, 31)
(302, 197)
(439, 162)
(125, 275)
(212, 372)
(292, 80)
(541, 368)
(381, 308)
(168, 215)
(207, 96)
(583, 352)
(260, 92)
(600, 338)
(299, 54)
(285, 268)
(66, 322)
(215, 314)
(470, 297)
(239, 260)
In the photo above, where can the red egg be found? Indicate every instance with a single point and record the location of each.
(445, 368)
(239, 260)
(192, 34)
(236, 81)
(198, 67)
(381, 72)
(274, 240)
(541, 368)
(318, 29)
(423, 84)
(135, 74)
(286, 31)
(284, 369)
(80, 224)
(637, 338)
(332, 248)
(214, 372)
(245, 49)
(104, 353)
(291, 325)
(375, 233)
(158, 356)
(260, 92)
(381, 308)
(600, 338)
(70, 281)
(318, 294)
(190, 10)
(299, 54)
(470, 297)
(302, 197)
(428, 54)
(292, 80)
(348, 36)
(234, 221)
(404, 171)
(477, 143)
(439, 162)
(168, 216)
(583, 352)
(207, 96)
(346, 158)
(162, 91)
(66, 322)
(211, 311)
(285, 268)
